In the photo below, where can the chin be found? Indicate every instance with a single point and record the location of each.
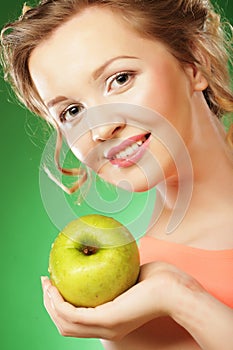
(132, 179)
(132, 185)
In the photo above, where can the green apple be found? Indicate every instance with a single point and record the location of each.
(93, 260)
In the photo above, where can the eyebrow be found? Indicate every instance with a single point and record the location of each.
(56, 100)
(96, 74)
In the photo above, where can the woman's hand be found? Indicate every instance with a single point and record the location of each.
(151, 297)
(162, 290)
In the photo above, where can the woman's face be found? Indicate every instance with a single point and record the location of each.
(118, 98)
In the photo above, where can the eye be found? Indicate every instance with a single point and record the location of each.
(71, 113)
(119, 80)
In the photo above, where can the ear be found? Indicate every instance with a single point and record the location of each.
(197, 80)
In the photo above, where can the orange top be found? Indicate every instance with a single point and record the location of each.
(212, 268)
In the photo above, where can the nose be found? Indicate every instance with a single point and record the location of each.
(105, 121)
(106, 132)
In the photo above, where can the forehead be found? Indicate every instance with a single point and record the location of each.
(94, 29)
(80, 46)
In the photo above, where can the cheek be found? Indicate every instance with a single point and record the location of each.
(78, 153)
(88, 153)
(166, 98)
(80, 148)
(165, 89)
(79, 140)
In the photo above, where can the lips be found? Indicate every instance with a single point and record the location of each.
(129, 151)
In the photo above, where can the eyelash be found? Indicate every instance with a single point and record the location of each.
(63, 117)
(108, 83)
(114, 78)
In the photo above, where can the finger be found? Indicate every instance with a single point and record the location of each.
(63, 309)
(64, 327)
(106, 316)
(45, 281)
(60, 315)
(55, 304)
(105, 321)
(113, 314)
(47, 299)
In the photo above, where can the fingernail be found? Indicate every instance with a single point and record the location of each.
(43, 279)
(45, 286)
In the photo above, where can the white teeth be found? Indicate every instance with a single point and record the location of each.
(130, 150)
(134, 146)
(139, 143)
(122, 154)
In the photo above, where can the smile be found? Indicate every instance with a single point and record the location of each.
(130, 151)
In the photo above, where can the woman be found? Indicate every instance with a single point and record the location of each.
(137, 89)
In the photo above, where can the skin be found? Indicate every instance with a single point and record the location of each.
(150, 314)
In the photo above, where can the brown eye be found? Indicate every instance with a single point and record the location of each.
(71, 113)
(122, 79)
(118, 81)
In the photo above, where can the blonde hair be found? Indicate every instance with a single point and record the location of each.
(190, 29)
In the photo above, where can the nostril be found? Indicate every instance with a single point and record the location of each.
(105, 132)
(118, 128)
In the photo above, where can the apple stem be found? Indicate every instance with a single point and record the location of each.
(89, 250)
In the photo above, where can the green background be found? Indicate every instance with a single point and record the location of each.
(27, 229)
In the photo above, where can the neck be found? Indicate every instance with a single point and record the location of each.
(208, 193)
